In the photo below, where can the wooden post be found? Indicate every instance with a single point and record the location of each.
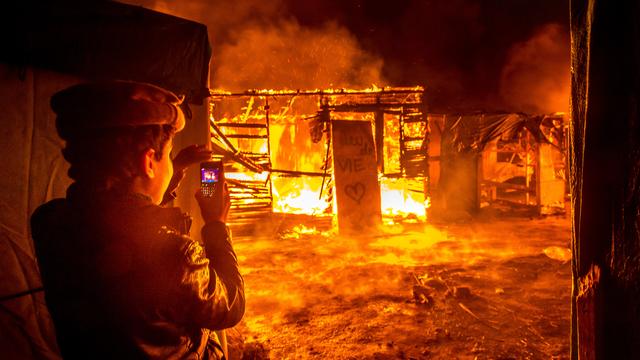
(605, 178)
(379, 128)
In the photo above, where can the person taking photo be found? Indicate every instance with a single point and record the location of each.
(123, 279)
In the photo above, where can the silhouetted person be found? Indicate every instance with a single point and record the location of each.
(122, 277)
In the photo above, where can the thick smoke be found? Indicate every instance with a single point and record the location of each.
(535, 77)
(457, 49)
(290, 56)
(257, 44)
(470, 55)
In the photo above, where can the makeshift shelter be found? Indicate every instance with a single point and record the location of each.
(471, 159)
(512, 157)
(48, 47)
(292, 136)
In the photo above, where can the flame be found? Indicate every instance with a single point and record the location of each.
(291, 149)
(247, 176)
(300, 196)
(398, 201)
(427, 202)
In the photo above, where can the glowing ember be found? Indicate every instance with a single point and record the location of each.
(301, 230)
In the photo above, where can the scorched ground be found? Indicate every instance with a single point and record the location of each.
(497, 287)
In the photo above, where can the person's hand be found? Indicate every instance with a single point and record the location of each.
(190, 155)
(216, 207)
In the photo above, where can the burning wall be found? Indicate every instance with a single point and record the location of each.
(299, 157)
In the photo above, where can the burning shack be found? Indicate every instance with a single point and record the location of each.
(325, 152)
(285, 152)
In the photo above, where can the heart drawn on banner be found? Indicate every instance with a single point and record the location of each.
(355, 191)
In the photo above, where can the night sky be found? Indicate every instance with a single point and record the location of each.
(438, 41)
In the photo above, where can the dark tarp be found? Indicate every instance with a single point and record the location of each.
(473, 132)
(108, 40)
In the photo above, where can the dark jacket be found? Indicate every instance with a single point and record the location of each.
(123, 281)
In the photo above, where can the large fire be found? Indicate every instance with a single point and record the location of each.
(275, 129)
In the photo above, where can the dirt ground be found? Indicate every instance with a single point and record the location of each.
(496, 287)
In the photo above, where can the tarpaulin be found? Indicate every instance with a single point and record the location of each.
(473, 131)
(33, 172)
(108, 40)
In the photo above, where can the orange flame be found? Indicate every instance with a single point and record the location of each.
(300, 196)
(399, 201)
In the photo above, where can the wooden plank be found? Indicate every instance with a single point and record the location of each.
(297, 173)
(254, 156)
(413, 152)
(416, 119)
(356, 177)
(507, 186)
(243, 125)
(245, 136)
(413, 138)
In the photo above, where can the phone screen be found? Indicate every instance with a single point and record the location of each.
(210, 176)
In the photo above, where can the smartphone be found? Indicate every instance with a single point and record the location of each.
(211, 174)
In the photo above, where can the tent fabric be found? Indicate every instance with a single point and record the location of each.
(33, 172)
(472, 132)
(108, 40)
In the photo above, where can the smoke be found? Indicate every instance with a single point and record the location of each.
(536, 76)
(290, 56)
(470, 55)
(223, 18)
(258, 44)
(457, 49)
